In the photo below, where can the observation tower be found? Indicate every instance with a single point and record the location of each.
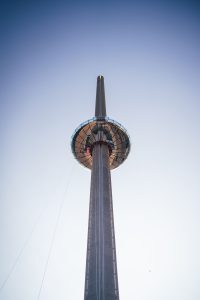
(101, 144)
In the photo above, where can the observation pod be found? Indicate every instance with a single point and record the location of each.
(101, 131)
(101, 144)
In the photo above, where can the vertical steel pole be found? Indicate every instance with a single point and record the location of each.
(101, 281)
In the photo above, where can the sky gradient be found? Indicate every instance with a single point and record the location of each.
(51, 53)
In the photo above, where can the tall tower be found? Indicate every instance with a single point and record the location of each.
(101, 145)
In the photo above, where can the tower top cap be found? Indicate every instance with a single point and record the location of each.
(100, 108)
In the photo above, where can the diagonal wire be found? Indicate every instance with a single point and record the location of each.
(54, 235)
(21, 251)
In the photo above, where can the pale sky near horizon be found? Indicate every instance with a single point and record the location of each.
(51, 53)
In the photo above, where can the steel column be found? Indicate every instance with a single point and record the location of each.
(101, 282)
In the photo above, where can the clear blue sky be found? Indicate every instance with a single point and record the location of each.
(51, 53)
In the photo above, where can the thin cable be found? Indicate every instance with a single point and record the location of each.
(22, 249)
(54, 235)
(27, 240)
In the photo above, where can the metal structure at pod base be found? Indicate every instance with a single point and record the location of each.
(101, 144)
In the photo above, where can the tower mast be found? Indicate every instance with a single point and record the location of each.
(101, 144)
